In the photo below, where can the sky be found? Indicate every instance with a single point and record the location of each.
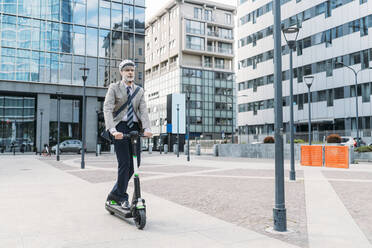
(153, 6)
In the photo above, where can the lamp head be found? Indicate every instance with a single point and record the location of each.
(290, 35)
(309, 80)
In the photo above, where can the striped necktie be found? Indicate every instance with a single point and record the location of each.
(130, 110)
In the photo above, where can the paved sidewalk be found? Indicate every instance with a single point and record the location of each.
(46, 207)
(207, 202)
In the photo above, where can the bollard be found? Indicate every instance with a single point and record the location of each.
(175, 148)
(165, 149)
(215, 150)
(98, 149)
(185, 149)
(112, 149)
(197, 148)
(150, 149)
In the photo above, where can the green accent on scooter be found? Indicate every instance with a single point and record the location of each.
(140, 207)
(112, 202)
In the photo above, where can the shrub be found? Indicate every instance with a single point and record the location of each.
(299, 141)
(364, 149)
(269, 139)
(334, 138)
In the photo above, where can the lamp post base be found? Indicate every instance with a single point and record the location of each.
(292, 175)
(57, 157)
(280, 219)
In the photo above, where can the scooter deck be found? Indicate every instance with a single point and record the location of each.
(118, 211)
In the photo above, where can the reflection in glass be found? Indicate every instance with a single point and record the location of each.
(69, 125)
(79, 62)
(116, 17)
(92, 77)
(22, 65)
(34, 66)
(140, 20)
(66, 11)
(65, 69)
(78, 9)
(128, 17)
(116, 42)
(79, 40)
(54, 68)
(35, 34)
(92, 40)
(17, 123)
(10, 6)
(24, 33)
(102, 69)
(104, 14)
(66, 38)
(8, 32)
(104, 43)
(7, 63)
(92, 18)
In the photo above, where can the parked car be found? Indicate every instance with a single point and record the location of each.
(350, 141)
(68, 146)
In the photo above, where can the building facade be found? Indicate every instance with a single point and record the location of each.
(190, 47)
(329, 33)
(43, 45)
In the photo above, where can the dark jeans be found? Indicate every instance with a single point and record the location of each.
(124, 155)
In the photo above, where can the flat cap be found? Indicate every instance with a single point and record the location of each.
(126, 62)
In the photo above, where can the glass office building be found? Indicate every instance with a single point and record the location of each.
(43, 45)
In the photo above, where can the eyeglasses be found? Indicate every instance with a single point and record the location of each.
(128, 70)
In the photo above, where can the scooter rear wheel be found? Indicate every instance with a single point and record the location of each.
(140, 219)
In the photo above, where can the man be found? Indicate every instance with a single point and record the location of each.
(126, 121)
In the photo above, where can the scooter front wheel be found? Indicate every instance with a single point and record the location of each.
(140, 219)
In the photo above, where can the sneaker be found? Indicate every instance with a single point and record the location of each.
(125, 205)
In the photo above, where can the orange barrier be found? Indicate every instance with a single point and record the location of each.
(312, 155)
(336, 156)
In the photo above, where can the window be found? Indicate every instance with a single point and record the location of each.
(194, 27)
(208, 15)
(193, 42)
(197, 13)
(330, 98)
(227, 18)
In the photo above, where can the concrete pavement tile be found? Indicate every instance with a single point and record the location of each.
(348, 175)
(174, 169)
(11, 243)
(263, 243)
(230, 236)
(328, 218)
(357, 199)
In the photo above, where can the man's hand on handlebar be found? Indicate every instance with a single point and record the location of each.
(118, 135)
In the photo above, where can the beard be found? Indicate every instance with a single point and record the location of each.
(128, 79)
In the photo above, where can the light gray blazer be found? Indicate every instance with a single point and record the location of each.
(116, 96)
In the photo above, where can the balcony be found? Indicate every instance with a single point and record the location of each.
(219, 35)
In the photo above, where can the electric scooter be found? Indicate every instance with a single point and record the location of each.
(138, 207)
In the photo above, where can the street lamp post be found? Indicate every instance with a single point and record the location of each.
(188, 95)
(356, 97)
(232, 119)
(84, 77)
(160, 126)
(59, 93)
(290, 35)
(178, 130)
(279, 211)
(41, 130)
(97, 112)
(309, 81)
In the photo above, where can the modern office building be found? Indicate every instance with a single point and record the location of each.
(190, 46)
(330, 32)
(43, 45)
